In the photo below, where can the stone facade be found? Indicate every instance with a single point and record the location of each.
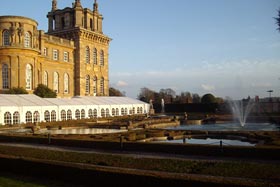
(71, 58)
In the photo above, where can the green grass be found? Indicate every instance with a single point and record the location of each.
(11, 182)
(226, 168)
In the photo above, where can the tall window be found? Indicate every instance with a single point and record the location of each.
(94, 85)
(55, 82)
(27, 39)
(69, 114)
(90, 113)
(87, 55)
(95, 113)
(77, 114)
(55, 54)
(101, 58)
(16, 118)
(36, 117)
(28, 117)
(95, 56)
(53, 116)
(83, 114)
(6, 38)
(107, 112)
(66, 57)
(28, 78)
(45, 51)
(117, 111)
(45, 80)
(7, 118)
(63, 115)
(5, 76)
(47, 116)
(102, 113)
(66, 83)
(102, 86)
(113, 112)
(87, 84)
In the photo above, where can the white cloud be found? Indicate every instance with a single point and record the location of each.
(122, 84)
(208, 87)
(229, 78)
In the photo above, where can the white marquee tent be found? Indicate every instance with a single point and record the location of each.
(28, 108)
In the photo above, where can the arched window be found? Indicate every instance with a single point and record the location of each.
(94, 85)
(83, 114)
(47, 116)
(107, 112)
(53, 116)
(63, 115)
(16, 118)
(28, 74)
(5, 76)
(117, 112)
(113, 112)
(122, 112)
(102, 113)
(7, 118)
(95, 113)
(101, 58)
(95, 56)
(6, 38)
(125, 111)
(55, 82)
(102, 86)
(69, 114)
(36, 117)
(77, 114)
(90, 113)
(133, 110)
(27, 40)
(138, 110)
(87, 55)
(87, 84)
(45, 79)
(141, 110)
(66, 83)
(28, 117)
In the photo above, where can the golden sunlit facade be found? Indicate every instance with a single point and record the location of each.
(71, 58)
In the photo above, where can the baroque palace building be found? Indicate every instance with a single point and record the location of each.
(71, 58)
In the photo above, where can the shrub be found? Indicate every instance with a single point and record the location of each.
(15, 90)
(44, 92)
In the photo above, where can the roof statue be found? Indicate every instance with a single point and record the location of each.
(95, 6)
(54, 5)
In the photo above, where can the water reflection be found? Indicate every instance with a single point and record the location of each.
(210, 141)
(230, 127)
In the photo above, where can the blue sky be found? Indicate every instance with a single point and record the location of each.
(225, 47)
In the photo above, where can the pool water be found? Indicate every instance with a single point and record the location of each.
(230, 127)
(211, 141)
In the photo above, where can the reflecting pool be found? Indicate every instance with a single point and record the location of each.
(211, 141)
(230, 127)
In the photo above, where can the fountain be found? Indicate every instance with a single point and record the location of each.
(162, 106)
(241, 110)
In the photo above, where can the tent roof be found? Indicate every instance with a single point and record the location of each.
(33, 100)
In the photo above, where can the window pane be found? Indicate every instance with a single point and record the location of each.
(5, 76)
(28, 77)
(27, 40)
(6, 38)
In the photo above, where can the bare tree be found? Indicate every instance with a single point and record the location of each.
(278, 20)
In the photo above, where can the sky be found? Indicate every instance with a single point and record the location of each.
(230, 48)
